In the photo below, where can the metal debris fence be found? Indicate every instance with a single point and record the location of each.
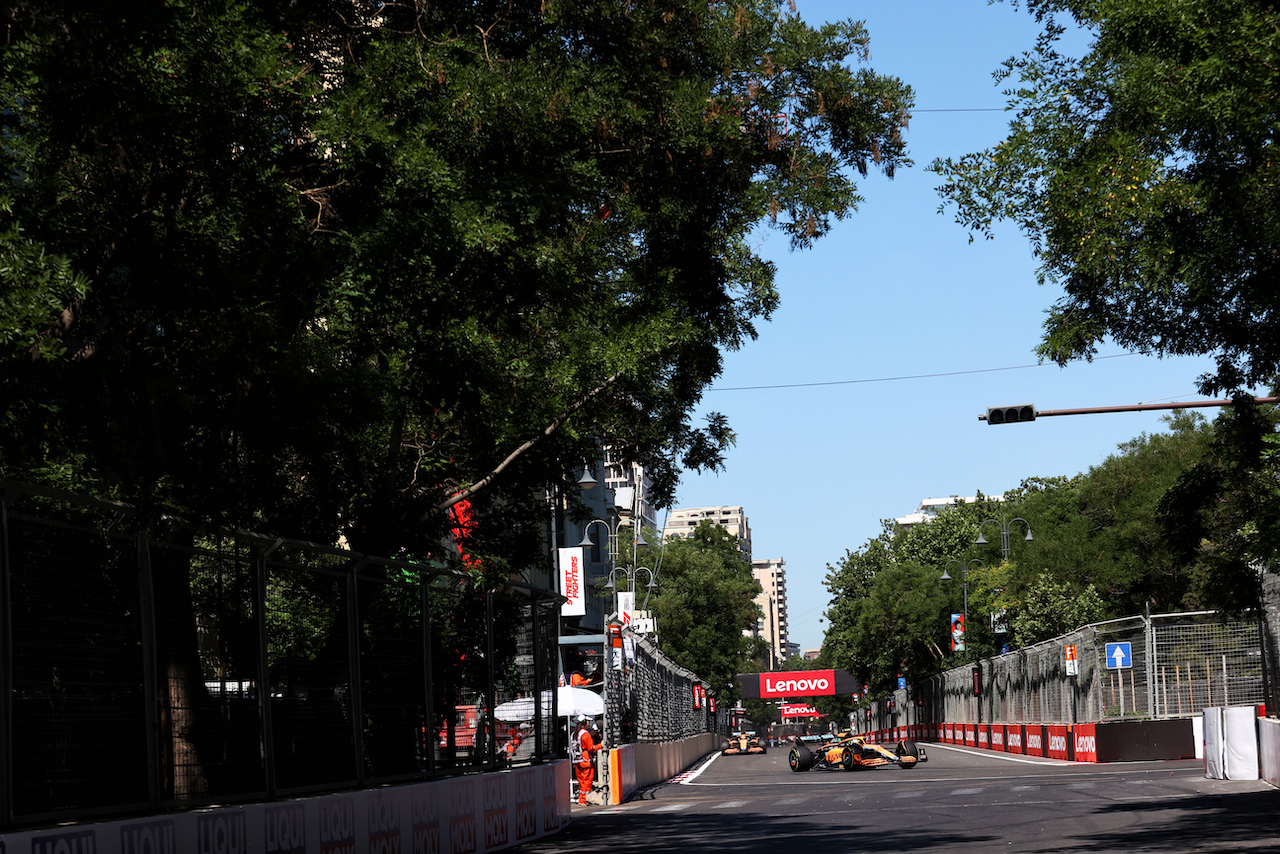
(651, 698)
(1172, 666)
(146, 665)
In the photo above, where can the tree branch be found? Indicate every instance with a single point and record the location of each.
(521, 449)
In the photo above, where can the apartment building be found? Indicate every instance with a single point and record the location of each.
(930, 507)
(681, 523)
(771, 574)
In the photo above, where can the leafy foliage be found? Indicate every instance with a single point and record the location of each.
(328, 269)
(1144, 173)
(1051, 608)
(705, 606)
(1175, 520)
(1222, 516)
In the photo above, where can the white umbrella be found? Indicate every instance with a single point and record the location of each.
(579, 701)
(571, 700)
(519, 709)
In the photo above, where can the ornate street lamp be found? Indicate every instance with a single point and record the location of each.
(1004, 533)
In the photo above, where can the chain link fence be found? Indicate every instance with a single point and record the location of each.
(651, 698)
(147, 665)
(1158, 667)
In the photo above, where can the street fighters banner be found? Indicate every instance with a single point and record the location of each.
(796, 683)
(572, 583)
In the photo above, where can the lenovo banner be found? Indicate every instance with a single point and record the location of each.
(792, 711)
(797, 683)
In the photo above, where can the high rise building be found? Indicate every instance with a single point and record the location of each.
(681, 523)
(771, 574)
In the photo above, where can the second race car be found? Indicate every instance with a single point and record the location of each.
(847, 752)
(743, 742)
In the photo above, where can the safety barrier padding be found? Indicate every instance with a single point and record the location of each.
(475, 814)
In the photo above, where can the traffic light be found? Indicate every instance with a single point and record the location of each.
(1011, 414)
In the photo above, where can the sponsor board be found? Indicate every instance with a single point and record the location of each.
(1034, 741)
(497, 823)
(1085, 743)
(222, 832)
(285, 826)
(804, 683)
(1013, 739)
(399, 820)
(524, 782)
(73, 842)
(572, 581)
(149, 837)
(463, 834)
(1059, 746)
(424, 812)
(384, 823)
(337, 825)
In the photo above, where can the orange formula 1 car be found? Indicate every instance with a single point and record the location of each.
(743, 742)
(849, 751)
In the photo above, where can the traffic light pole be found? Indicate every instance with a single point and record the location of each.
(1025, 410)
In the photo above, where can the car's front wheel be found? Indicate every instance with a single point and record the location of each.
(800, 758)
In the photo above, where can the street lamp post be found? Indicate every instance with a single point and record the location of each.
(964, 580)
(1004, 533)
(614, 551)
(630, 574)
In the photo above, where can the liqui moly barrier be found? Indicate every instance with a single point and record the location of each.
(473, 814)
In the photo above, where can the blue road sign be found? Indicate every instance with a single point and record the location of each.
(1119, 656)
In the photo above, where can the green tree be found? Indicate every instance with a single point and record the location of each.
(1103, 527)
(1144, 173)
(330, 270)
(705, 606)
(1222, 516)
(1052, 608)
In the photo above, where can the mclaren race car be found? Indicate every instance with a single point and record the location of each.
(743, 742)
(847, 752)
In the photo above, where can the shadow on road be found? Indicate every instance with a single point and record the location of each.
(1226, 822)
(623, 833)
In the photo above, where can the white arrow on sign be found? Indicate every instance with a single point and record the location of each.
(1119, 656)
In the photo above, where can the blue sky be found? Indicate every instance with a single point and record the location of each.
(916, 329)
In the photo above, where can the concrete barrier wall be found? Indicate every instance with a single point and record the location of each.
(461, 815)
(1119, 741)
(1269, 749)
(645, 763)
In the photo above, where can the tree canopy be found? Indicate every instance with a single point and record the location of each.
(705, 605)
(331, 268)
(1180, 519)
(1144, 173)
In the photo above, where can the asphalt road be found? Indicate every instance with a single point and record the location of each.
(960, 800)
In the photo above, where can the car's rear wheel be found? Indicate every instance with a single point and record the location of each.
(907, 749)
(800, 758)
